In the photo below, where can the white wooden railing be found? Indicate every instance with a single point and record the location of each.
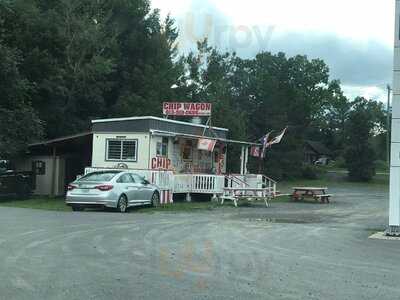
(199, 183)
(182, 183)
(208, 184)
(271, 184)
(252, 181)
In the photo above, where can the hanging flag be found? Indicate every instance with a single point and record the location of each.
(206, 145)
(277, 139)
(264, 141)
(255, 151)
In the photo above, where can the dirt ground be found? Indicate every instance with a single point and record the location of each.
(287, 251)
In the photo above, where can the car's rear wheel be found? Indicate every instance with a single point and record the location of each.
(155, 199)
(123, 204)
(77, 208)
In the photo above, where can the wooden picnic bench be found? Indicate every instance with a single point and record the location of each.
(317, 193)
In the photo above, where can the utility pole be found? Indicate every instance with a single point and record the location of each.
(388, 124)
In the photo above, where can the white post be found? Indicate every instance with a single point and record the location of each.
(246, 160)
(242, 161)
(188, 197)
(394, 210)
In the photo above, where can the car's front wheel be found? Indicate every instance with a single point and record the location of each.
(123, 204)
(155, 199)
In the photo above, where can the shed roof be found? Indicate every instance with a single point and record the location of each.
(318, 148)
(63, 139)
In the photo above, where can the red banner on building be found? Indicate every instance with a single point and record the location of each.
(187, 109)
(206, 145)
(255, 151)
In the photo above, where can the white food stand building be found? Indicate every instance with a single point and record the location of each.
(162, 150)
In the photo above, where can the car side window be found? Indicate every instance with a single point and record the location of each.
(137, 178)
(125, 178)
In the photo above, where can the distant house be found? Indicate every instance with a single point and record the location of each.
(314, 151)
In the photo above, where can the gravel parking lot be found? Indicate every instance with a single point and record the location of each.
(287, 251)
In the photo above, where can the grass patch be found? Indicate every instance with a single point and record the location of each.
(58, 204)
(54, 204)
(283, 199)
(336, 181)
(181, 207)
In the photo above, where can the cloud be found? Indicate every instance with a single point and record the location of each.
(353, 62)
(364, 66)
(377, 93)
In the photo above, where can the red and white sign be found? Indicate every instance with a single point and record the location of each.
(187, 109)
(160, 163)
(206, 145)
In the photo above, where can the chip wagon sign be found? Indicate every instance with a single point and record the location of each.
(187, 109)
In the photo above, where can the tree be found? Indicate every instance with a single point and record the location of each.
(285, 92)
(329, 126)
(209, 77)
(92, 59)
(364, 121)
(19, 123)
(147, 64)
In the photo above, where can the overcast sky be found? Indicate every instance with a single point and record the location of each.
(354, 37)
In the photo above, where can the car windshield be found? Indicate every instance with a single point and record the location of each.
(99, 176)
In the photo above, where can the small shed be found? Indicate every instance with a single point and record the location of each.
(314, 151)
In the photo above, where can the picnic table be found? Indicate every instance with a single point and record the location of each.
(317, 193)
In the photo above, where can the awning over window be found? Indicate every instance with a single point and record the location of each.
(189, 136)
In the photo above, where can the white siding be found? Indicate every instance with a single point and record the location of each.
(394, 213)
(43, 182)
(394, 216)
(396, 65)
(396, 106)
(99, 159)
(397, 26)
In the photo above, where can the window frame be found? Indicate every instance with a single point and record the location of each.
(136, 141)
(39, 167)
(160, 146)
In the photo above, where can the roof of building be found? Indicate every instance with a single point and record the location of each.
(61, 139)
(146, 124)
(155, 118)
(153, 125)
(318, 148)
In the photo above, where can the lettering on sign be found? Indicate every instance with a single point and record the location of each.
(160, 163)
(187, 109)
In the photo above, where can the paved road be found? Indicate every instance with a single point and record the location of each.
(289, 251)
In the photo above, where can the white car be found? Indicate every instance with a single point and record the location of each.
(113, 189)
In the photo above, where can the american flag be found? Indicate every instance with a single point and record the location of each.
(277, 139)
(264, 141)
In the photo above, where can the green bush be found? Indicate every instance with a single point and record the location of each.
(360, 162)
(381, 165)
(339, 163)
(309, 172)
